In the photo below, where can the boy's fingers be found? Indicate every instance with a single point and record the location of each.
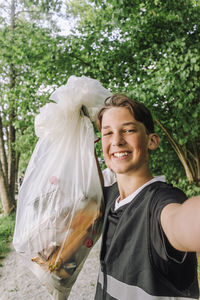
(98, 139)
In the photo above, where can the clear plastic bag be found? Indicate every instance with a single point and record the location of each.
(59, 207)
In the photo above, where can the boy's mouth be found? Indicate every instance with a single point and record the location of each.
(121, 154)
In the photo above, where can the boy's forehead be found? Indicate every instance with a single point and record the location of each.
(122, 124)
(119, 117)
(118, 113)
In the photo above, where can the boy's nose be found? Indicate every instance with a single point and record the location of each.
(118, 140)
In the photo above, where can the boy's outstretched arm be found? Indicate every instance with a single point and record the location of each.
(181, 224)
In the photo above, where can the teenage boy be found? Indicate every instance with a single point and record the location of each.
(150, 233)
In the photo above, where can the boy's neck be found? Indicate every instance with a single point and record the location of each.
(128, 184)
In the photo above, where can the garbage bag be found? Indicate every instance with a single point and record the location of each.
(60, 207)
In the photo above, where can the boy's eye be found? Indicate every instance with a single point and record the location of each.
(130, 130)
(107, 133)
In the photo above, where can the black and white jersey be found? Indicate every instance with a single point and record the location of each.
(137, 261)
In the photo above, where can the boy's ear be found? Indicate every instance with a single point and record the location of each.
(154, 141)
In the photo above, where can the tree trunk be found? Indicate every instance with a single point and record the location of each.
(8, 158)
(3, 158)
(190, 162)
(4, 191)
(16, 172)
(12, 131)
(11, 165)
(197, 158)
(5, 198)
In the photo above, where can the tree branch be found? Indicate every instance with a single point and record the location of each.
(86, 63)
(178, 151)
(197, 161)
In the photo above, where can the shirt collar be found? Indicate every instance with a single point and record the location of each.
(130, 197)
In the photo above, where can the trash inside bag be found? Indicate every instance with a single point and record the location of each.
(59, 211)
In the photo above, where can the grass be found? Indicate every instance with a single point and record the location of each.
(7, 224)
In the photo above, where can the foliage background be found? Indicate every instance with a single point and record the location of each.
(148, 50)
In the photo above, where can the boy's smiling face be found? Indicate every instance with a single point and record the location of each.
(125, 141)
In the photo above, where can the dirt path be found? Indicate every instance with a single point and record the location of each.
(18, 283)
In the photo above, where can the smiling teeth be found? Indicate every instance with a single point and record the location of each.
(120, 154)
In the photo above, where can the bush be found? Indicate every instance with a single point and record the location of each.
(189, 189)
(7, 224)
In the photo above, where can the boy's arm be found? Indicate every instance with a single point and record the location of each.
(181, 224)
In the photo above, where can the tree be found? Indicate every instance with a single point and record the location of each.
(31, 64)
(150, 50)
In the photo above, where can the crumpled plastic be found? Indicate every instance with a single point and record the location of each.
(69, 98)
(59, 209)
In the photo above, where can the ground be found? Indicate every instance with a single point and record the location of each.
(17, 282)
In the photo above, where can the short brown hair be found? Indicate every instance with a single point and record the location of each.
(138, 109)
